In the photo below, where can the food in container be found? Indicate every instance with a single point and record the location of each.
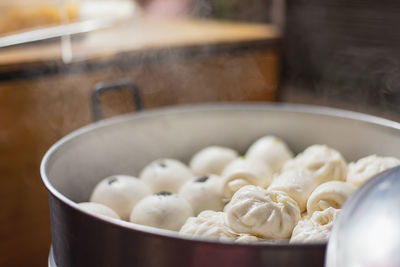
(203, 193)
(211, 224)
(329, 194)
(254, 212)
(315, 228)
(212, 160)
(162, 210)
(121, 193)
(242, 172)
(88, 151)
(263, 213)
(272, 150)
(258, 209)
(365, 168)
(298, 183)
(98, 209)
(325, 162)
(165, 175)
(208, 224)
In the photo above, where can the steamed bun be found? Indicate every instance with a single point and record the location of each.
(315, 229)
(243, 171)
(211, 224)
(271, 150)
(329, 194)
(208, 224)
(162, 210)
(212, 160)
(203, 193)
(297, 183)
(263, 213)
(98, 209)
(365, 168)
(165, 175)
(325, 163)
(120, 193)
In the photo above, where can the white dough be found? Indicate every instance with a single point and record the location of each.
(165, 175)
(271, 150)
(365, 168)
(212, 160)
(120, 193)
(211, 224)
(203, 193)
(241, 172)
(245, 238)
(208, 224)
(98, 209)
(263, 213)
(315, 229)
(297, 183)
(326, 163)
(330, 194)
(162, 210)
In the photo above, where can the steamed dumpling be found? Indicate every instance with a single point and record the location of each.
(162, 210)
(246, 238)
(315, 229)
(98, 209)
(203, 193)
(263, 213)
(330, 194)
(120, 193)
(208, 224)
(212, 160)
(165, 175)
(241, 172)
(271, 150)
(326, 163)
(211, 224)
(297, 183)
(365, 168)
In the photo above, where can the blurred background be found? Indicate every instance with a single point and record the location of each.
(339, 53)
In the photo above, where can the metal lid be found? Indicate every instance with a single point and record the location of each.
(367, 232)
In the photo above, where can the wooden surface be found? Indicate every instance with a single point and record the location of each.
(37, 110)
(139, 35)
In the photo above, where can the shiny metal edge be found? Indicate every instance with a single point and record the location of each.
(44, 33)
(50, 261)
(245, 106)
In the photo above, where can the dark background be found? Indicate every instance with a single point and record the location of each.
(347, 50)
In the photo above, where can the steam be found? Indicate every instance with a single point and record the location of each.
(367, 78)
(167, 76)
(343, 54)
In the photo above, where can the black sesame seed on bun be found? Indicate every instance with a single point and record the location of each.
(162, 164)
(112, 180)
(163, 193)
(202, 179)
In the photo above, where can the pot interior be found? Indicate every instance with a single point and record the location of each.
(124, 145)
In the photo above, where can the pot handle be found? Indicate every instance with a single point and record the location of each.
(100, 88)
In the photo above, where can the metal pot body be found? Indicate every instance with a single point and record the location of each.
(124, 145)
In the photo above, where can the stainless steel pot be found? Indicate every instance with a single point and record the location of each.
(124, 145)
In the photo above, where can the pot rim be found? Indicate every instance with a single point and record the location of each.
(210, 106)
